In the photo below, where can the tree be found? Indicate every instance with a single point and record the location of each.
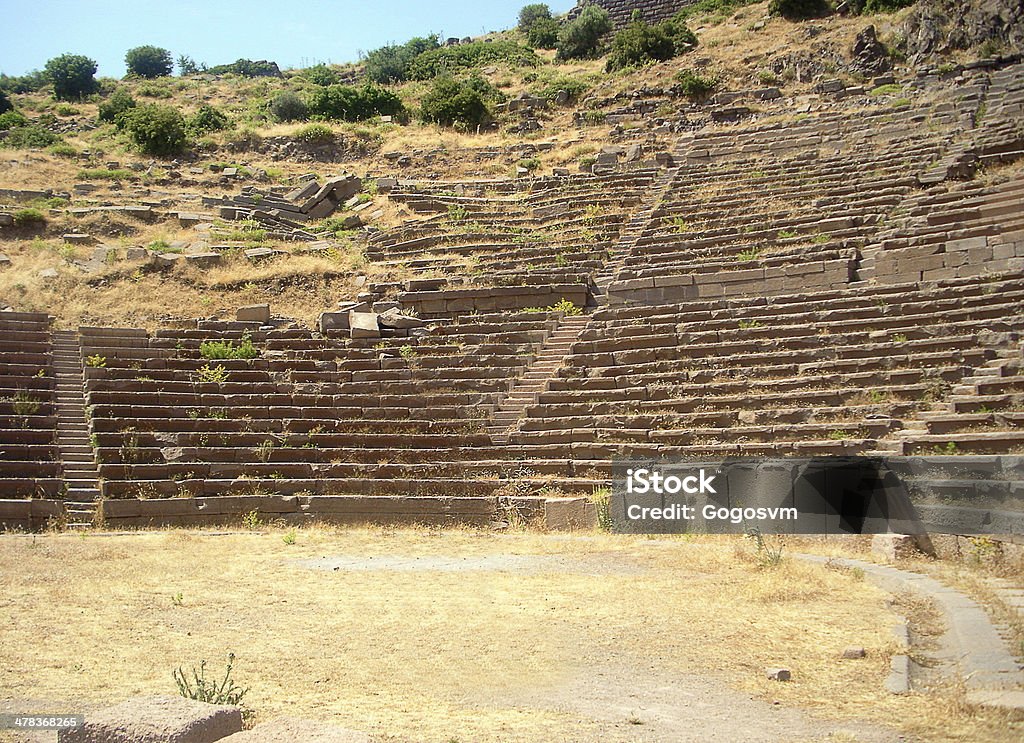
(450, 102)
(72, 76)
(530, 14)
(5, 103)
(580, 38)
(148, 62)
(208, 119)
(543, 33)
(390, 64)
(158, 130)
(187, 66)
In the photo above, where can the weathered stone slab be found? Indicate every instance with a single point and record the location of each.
(253, 313)
(157, 720)
(364, 325)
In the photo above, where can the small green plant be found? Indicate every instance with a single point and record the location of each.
(885, 90)
(749, 324)
(680, 225)
(457, 213)
(900, 338)
(252, 520)
(199, 688)
(212, 374)
(24, 404)
(408, 352)
(315, 134)
(227, 350)
(948, 448)
(769, 553)
(602, 500)
(821, 239)
(178, 599)
(695, 86)
(566, 307)
(96, 362)
(748, 255)
(130, 446)
(290, 537)
(28, 218)
(265, 450)
(786, 234)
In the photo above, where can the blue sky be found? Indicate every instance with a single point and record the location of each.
(293, 34)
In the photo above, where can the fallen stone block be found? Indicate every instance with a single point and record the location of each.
(166, 260)
(137, 254)
(76, 238)
(333, 321)
(286, 730)
(891, 547)
(253, 313)
(778, 674)
(6, 220)
(364, 325)
(203, 260)
(157, 720)
(258, 254)
(5, 262)
(394, 319)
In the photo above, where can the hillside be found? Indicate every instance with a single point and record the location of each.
(576, 111)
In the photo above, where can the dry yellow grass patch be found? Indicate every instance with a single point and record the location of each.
(446, 654)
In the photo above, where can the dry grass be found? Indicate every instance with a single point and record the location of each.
(443, 655)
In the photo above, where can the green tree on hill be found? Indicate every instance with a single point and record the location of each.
(580, 38)
(148, 62)
(72, 76)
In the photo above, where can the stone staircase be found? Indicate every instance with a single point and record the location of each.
(631, 232)
(544, 367)
(81, 478)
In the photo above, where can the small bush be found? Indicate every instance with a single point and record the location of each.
(390, 64)
(580, 38)
(12, 120)
(451, 102)
(321, 74)
(72, 76)
(227, 349)
(247, 68)
(154, 90)
(5, 102)
(543, 34)
(28, 137)
(349, 103)
(118, 102)
(885, 6)
(148, 62)
(315, 133)
(62, 150)
(639, 44)
(447, 60)
(799, 10)
(288, 106)
(28, 218)
(207, 119)
(157, 130)
(695, 86)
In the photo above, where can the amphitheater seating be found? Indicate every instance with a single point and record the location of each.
(29, 465)
(834, 372)
(314, 415)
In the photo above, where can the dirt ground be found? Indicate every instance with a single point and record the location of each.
(427, 635)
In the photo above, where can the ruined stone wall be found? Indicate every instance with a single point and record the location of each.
(621, 11)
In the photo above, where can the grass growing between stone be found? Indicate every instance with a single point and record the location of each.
(465, 635)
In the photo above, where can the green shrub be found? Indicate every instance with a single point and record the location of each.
(28, 218)
(12, 120)
(154, 90)
(349, 103)
(580, 38)
(209, 690)
(530, 14)
(885, 6)
(450, 59)
(228, 350)
(451, 102)
(72, 76)
(247, 68)
(391, 63)
(315, 133)
(639, 44)
(27, 137)
(695, 86)
(187, 66)
(118, 102)
(157, 130)
(321, 74)
(148, 62)
(5, 102)
(207, 119)
(288, 106)
(62, 150)
(799, 10)
(30, 82)
(543, 34)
